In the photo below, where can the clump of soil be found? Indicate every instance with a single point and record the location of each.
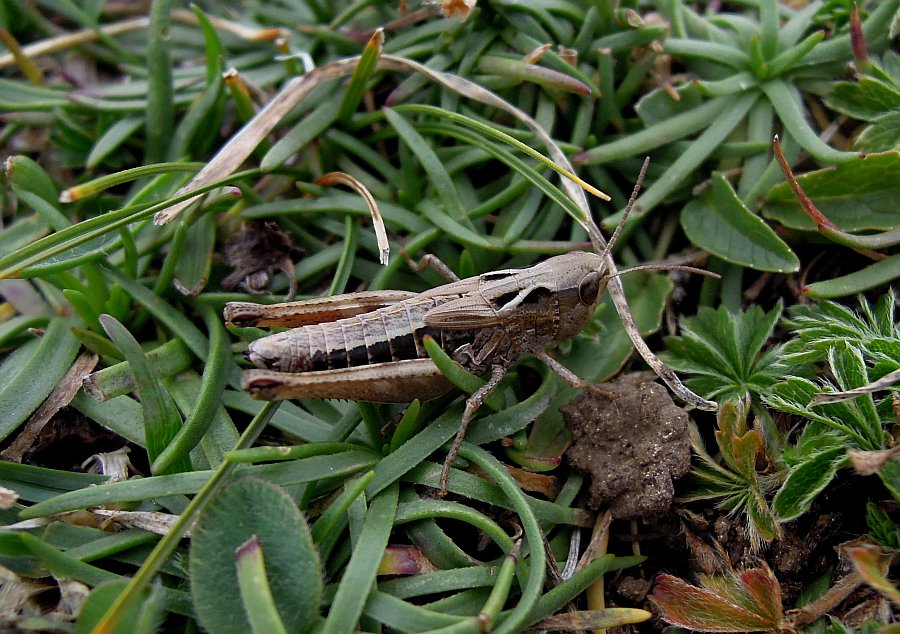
(632, 441)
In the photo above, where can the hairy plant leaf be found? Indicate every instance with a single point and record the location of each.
(806, 481)
(819, 327)
(882, 528)
(747, 601)
(245, 508)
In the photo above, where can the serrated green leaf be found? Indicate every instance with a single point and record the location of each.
(881, 527)
(883, 135)
(848, 367)
(859, 194)
(726, 349)
(865, 99)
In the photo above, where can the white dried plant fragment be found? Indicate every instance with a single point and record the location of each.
(455, 9)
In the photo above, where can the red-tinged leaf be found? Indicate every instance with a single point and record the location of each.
(745, 450)
(713, 608)
(404, 560)
(763, 588)
(870, 563)
(858, 40)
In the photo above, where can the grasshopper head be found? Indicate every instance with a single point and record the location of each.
(581, 282)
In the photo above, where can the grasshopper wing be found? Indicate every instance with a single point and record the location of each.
(465, 313)
(311, 311)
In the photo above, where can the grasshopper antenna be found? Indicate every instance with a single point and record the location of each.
(634, 194)
(617, 294)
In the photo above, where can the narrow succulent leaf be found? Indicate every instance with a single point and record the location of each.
(309, 128)
(786, 101)
(29, 377)
(491, 131)
(33, 185)
(735, 109)
(167, 360)
(467, 382)
(256, 595)
(330, 526)
(872, 276)
(361, 75)
(160, 107)
(192, 269)
(523, 71)
(107, 181)
(646, 140)
(788, 59)
(213, 45)
(359, 577)
(433, 166)
(25, 63)
(111, 140)
(202, 415)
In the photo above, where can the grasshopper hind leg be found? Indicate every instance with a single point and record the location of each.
(472, 404)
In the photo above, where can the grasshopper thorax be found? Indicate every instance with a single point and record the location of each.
(581, 279)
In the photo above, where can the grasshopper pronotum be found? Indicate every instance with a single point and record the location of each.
(368, 346)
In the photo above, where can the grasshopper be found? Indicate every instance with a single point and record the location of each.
(368, 346)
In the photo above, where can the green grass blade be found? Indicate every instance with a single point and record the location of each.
(359, 577)
(43, 369)
(161, 418)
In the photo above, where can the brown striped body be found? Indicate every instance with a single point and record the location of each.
(385, 335)
(483, 322)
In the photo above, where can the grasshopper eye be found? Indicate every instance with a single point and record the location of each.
(589, 288)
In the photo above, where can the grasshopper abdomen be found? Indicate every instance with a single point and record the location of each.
(383, 336)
